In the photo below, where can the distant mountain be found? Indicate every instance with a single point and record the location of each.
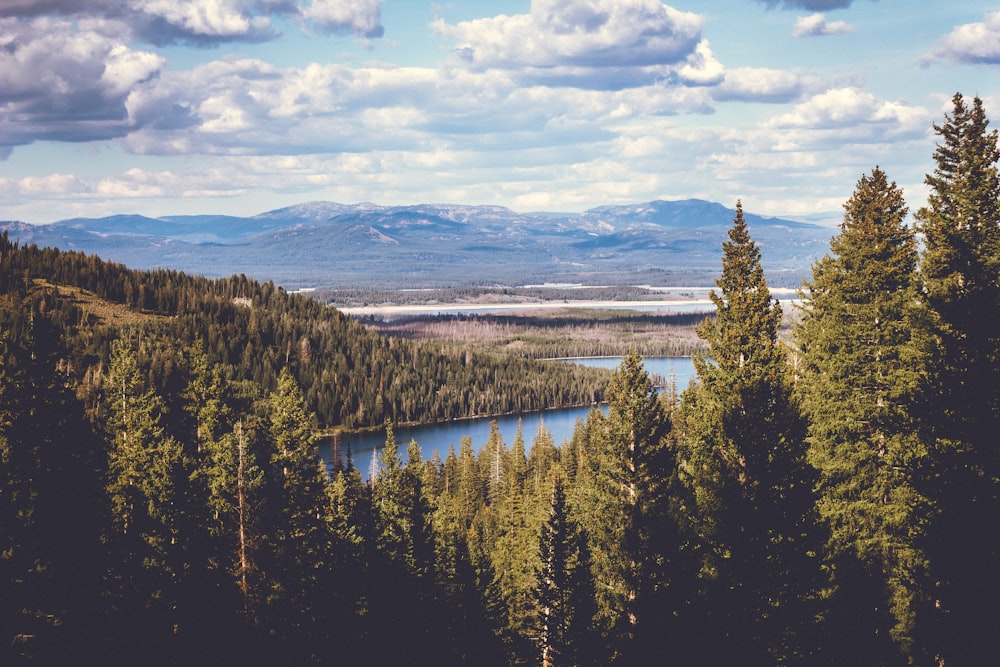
(325, 244)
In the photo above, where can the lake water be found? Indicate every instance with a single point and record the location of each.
(439, 437)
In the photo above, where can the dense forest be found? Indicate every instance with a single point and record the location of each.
(828, 500)
(250, 331)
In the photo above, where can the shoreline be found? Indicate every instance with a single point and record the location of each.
(412, 309)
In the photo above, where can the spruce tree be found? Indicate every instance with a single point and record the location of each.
(743, 457)
(620, 497)
(389, 501)
(297, 556)
(861, 363)
(563, 593)
(960, 268)
(52, 505)
(145, 471)
(352, 527)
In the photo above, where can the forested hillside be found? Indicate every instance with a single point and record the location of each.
(830, 501)
(250, 331)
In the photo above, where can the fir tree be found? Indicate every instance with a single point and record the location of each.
(388, 498)
(860, 369)
(52, 505)
(298, 548)
(620, 491)
(743, 457)
(145, 471)
(564, 592)
(960, 267)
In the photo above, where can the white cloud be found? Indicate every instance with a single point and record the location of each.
(761, 84)
(853, 108)
(206, 18)
(65, 84)
(600, 44)
(207, 22)
(814, 5)
(816, 25)
(240, 105)
(977, 43)
(53, 184)
(361, 17)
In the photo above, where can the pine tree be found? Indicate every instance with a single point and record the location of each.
(493, 460)
(860, 369)
(541, 460)
(389, 500)
(145, 469)
(352, 526)
(298, 546)
(234, 482)
(52, 505)
(564, 592)
(513, 556)
(743, 458)
(626, 472)
(960, 267)
(204, 397)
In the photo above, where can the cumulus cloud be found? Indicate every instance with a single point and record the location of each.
(849, 115)
(816, 25)
(69, 70)
(601, 44)
(57, 184)
(761, 84)
(209, 22)
(245, 106)
(65, 84)
(29, 8)
(811, 5)
(198, 21)
(361, 17)
(976, 43)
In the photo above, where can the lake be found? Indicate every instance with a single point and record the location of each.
(438, 437)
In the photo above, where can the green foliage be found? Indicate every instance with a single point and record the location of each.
(251, 331)
(563, 591)
(742, 459)
(960, 271)
(296, 549)
(621, 493)
(52, 504)
(861, 364)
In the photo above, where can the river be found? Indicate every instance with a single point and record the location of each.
(439, 437)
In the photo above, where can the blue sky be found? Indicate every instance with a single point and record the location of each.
(167, 107)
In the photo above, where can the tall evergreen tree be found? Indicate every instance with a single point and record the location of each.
(564, 591)
(52, 505)
(743, 457)
(352, 525)
(960, 267)
(860, 368)
(543, 457)
(388, 497)
(145, 471)
(621, 490)
(298, 546)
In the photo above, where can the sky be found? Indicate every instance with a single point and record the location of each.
(170, 107)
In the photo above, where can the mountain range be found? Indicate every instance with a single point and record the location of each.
(331, 245)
